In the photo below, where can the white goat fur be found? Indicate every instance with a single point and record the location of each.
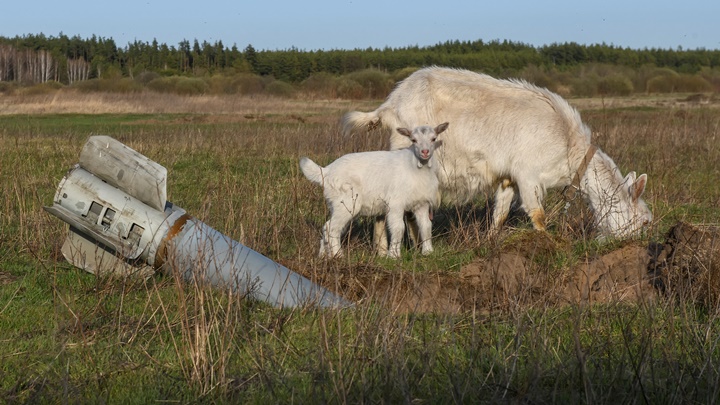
(381, 183)
(510, 136)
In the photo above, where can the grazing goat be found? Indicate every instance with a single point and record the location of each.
(513, 137)
(381, 183)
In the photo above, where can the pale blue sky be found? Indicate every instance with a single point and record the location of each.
(343, 24)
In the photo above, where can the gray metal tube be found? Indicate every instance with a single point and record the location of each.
(203, 254)
(120, 221)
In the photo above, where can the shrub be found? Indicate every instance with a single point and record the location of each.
(349, 89)
(593, 79)
(712, 76)
(647, 73)
(179, 85)
(586, 87)
(678, 84)
(191, 86)
(111, 72)
(243, 83)
(43, 88)
(614, 85)
(661, 84)
(247, 83)
(123, 85)
(693, 84)
(219, 84)
(321, 85)
(563, 82)
(538, 77)
(146, 77)
(163, 84)
(375, 83)
(402, 74)
(7, 88)
(86, 86)
(280, 88)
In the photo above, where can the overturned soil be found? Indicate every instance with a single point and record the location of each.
(686, 265)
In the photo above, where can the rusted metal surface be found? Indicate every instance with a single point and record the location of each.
(172, 232)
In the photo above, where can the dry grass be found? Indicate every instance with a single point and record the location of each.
(69, 101)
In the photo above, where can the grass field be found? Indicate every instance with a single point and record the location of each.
(69, 337)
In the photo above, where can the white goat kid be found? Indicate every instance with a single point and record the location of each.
(510, 136)
(381, 183)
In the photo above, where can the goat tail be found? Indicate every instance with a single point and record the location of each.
(311, 170)
(357, 120)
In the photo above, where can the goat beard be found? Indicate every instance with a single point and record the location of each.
(422, 162)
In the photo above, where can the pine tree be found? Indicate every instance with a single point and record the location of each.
(251, 57)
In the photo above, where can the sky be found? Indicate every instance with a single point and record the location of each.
(360, 24)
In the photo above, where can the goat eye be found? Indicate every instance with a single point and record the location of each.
(414, 140)
(434, 139)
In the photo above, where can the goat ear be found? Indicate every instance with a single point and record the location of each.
(404, 131)
(441, 128)
(438, 143)
(630, 178)
(638, 187)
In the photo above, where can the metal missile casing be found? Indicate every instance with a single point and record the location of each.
(111, 217)
(114, 200)
(202, 253)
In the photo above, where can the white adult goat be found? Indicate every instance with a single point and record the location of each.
(381, 183)
(510, 136)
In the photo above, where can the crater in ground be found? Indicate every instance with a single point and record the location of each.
(686, 264)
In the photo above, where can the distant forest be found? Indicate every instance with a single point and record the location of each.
(202, 67)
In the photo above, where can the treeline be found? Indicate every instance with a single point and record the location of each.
(32, 59)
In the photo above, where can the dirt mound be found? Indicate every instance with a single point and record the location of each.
(620, 275)
(514, 279)
(686, 264)
(401, 291)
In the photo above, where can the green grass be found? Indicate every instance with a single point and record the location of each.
(67, 336)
